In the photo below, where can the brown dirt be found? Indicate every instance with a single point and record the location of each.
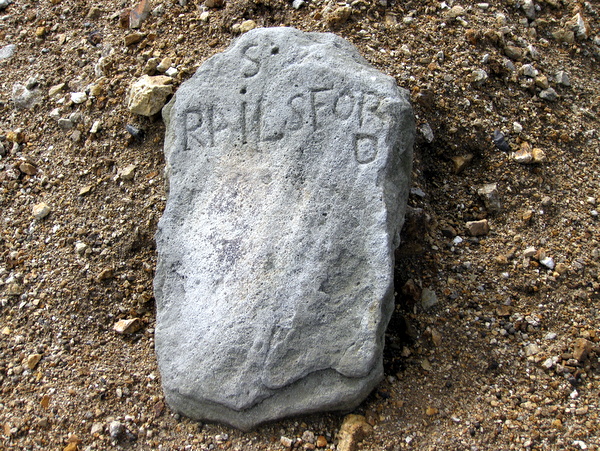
(493, 365)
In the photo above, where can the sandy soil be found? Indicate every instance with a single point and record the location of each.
(502, 350)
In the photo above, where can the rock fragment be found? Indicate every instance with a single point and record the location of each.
(7, 51)
(128, 172)
(491, 199)
(338, 16)
(33, 360)
(127, 326)
(148, 94)
(549, 94)
(454, 12)
(562, 78)
(500, 141)
(247, 25)
(139, 14)
(578, 25)
(321, 441)
(428, 298)
(41, 210)
(529, 9)
(24, 97)
(461, 162)
(116, 430)
(582, 349)
(478, 77)
(478, 228)
(354, 429)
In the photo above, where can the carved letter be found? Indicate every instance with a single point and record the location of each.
(365, 148)
(252, 65)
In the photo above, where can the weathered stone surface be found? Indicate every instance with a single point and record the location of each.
(288, 159)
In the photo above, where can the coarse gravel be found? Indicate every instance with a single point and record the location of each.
(495, 342)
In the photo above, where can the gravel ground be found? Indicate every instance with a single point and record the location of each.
(495, 343)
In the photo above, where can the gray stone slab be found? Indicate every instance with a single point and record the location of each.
(288, 162)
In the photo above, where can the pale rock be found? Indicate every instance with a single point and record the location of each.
(427, 132)
(97, 428)
(33, 360)
(55, 114)
(548, 262)
(532, 349)
(478, 77)
(529, 252)
(127, 326)
(529, 71)
(7, 51)
(204, 16)
(171, 72)
(533, 52)
(548, 363)
(116, 430)
(96, 126)
(159, 10)
(308, 437)
(578, 25)
(41, 210)
(297, 4)
(127, 173)
(80, 247)
(25, 98)
(522, 156)
(56, 89)
(517, 127)
(454, 12)
(247, 25)
(148, 94)
(78, 97)
(478, 228)
(354, 430)
(286, 442)
(529, 9)
(164, 64)
(288, 162)
(538, 155)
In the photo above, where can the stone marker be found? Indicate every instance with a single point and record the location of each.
(288, 162)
